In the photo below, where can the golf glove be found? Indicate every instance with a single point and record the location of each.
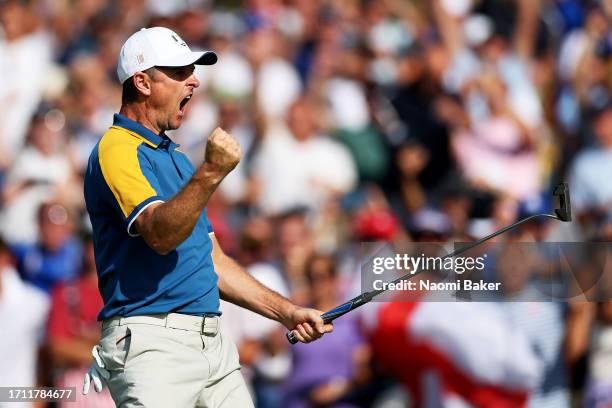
(96, 373)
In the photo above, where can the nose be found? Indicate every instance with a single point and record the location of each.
(193, 81)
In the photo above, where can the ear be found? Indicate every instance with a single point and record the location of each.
(142, 82)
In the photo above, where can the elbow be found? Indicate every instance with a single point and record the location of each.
(162, 248)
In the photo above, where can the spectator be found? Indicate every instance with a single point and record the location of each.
(267, 53)
(56, 256)
(261, 342)
(23, 313)
(295, 246)
(89, 105)
(591, 194)
(41, 171)
(24, 41)
(237, 185)
(296, 166)
(599, 382)
(328, 375)
(73, 330)
(507, 157)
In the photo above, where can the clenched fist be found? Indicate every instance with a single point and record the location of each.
(222, 152)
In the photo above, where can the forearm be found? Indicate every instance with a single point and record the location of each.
(167, 225)
(450, 29)
(71, 351)
(238, 287)
(578, 327)
(526, 27)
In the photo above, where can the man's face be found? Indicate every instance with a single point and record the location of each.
(54, 227)
(300, 120)
(13, 19)
(171, 91)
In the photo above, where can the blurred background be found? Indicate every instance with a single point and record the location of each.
(360, 120)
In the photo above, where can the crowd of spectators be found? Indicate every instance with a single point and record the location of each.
(360, 120)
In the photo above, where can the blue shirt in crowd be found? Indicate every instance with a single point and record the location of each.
(44, 269)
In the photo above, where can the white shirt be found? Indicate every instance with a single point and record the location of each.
(278, 86)
(23, 67)
(589, 179)
(23, 313)
(543, 324)
(348, 104)
(31, 164)
(294, 173)
(18, 218)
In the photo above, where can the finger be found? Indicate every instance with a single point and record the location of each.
(96, 356)
(218, 132)
(319, 325)
(221, 137)
(86, 383)
(328, 328)
(97, 383)
(302, 331)
(314, 334)
(314, 317)
(299, 336)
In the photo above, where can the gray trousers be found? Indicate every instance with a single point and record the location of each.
(172, 360)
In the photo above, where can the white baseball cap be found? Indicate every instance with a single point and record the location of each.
(157, 46)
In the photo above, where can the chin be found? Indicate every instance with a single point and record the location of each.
(175, 124)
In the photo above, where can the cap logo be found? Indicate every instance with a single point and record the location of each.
(140, 58)
(178, 40)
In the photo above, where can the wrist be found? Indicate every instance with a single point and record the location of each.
(210, 173)
(286, 315)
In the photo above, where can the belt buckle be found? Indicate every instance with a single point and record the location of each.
(209, 331)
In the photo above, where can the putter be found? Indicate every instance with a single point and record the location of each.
(562, 212)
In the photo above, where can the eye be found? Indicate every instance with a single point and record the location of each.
(183, 72)
(189, 70)
(179, 73)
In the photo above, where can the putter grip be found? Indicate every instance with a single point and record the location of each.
(291, 337)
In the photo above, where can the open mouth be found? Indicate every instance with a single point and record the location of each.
(183, 103)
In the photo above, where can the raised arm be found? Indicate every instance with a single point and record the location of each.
(165, 225)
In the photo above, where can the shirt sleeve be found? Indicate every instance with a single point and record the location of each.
(131, 179)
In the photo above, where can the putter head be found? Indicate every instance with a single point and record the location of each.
(563, 209)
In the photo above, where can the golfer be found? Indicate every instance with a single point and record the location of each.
(161, 270)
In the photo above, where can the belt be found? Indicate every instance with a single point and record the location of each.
(207, 325)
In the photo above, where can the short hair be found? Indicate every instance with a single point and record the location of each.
(129, 93)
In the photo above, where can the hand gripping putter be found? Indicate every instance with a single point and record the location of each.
(562, 212)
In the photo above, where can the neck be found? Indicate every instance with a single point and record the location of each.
(139, 113)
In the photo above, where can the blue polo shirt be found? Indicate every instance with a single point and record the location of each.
(129, 169)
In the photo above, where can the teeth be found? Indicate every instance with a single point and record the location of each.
(184, 102)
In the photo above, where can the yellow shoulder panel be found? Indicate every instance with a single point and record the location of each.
(118, 155)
